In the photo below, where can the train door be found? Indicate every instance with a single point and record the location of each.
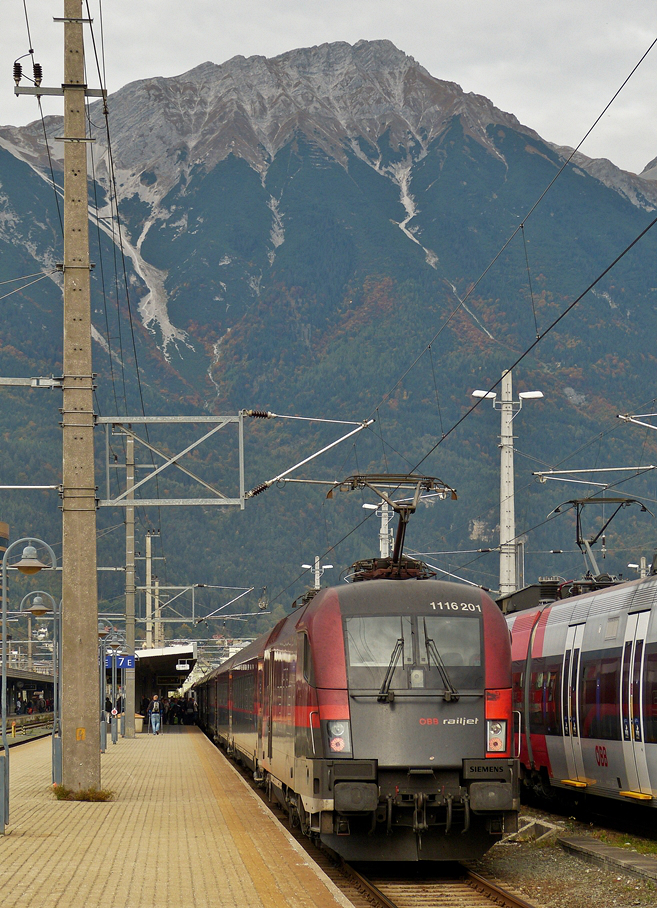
(231, 705)
(632, 704)
(270, 704)
(570, 704)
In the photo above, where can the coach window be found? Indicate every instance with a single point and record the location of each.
(307, 659)
(536, 698)
(551, 700)
(600, 715)
(517, 684)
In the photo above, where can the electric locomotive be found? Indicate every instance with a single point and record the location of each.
(379, 714)
(585, 683)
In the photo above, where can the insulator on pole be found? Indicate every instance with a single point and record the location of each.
(259, 414)
(258, 489)
(18, 73)
(38, 74)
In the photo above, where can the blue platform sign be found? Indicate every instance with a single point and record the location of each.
(121, 661)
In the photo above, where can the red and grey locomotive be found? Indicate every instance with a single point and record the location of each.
(379, 714)
(585, 683)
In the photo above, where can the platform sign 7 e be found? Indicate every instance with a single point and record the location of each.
(121, 661)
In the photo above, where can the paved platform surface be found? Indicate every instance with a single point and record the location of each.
(642, 866)
(184, 831)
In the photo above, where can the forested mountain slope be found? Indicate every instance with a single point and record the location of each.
(297, 233)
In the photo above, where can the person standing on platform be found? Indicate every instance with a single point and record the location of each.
(155, 714)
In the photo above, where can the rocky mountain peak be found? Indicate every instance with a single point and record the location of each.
(649, 172)
(331, 94)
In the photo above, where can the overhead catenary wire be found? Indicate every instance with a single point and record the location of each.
(429, 350)
(112, 195)
(116, 232)
(521, 227)
(539, 336)
(30, 284)
(514, 233)
(597, 438)
(542, 336)
(550, 517)
(26, 277)
(529, 280)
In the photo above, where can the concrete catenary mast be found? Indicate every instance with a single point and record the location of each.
(80, 739)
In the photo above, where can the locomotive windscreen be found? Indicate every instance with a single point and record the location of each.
(414, 652)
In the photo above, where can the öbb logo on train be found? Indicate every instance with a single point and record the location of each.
(460, 720)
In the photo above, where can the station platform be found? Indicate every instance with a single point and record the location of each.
(183, 830)
(641, 866)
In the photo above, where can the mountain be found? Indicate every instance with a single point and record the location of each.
(296, 231)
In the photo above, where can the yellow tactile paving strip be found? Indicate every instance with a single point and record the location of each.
(184, 831)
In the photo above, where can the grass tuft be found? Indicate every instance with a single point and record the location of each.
(85, 794)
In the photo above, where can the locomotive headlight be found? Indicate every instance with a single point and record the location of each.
(339, 739)
(496, 735)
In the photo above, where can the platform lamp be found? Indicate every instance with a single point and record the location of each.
(115, 644)
(103, 632)
(38, 609)
(28, 564)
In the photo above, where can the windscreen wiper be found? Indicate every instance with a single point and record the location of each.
(386, 695)
(451, 692)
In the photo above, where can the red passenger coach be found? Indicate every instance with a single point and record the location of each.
(379, 715)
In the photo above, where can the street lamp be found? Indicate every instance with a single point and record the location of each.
(115, 642)
(318, 570)
(28, 564)
(38, 610)
(509, 409)
(103, 632)
(30, 660)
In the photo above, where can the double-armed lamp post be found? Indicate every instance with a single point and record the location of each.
(509, 409)
(318, 570)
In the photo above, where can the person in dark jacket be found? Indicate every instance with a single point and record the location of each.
(155, 714)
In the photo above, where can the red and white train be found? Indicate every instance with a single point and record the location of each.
(585, 685)
(379, 714)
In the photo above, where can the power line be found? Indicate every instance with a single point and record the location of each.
(521, 226)
(30, 284)
(543, 335)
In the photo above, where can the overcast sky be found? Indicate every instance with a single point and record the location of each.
(553, 63)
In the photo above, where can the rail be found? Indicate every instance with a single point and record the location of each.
(468, 889)
(28, 726)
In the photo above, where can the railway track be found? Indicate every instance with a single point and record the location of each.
(458, 888)
(413, 886)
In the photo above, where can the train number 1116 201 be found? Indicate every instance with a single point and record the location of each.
(455, 606)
